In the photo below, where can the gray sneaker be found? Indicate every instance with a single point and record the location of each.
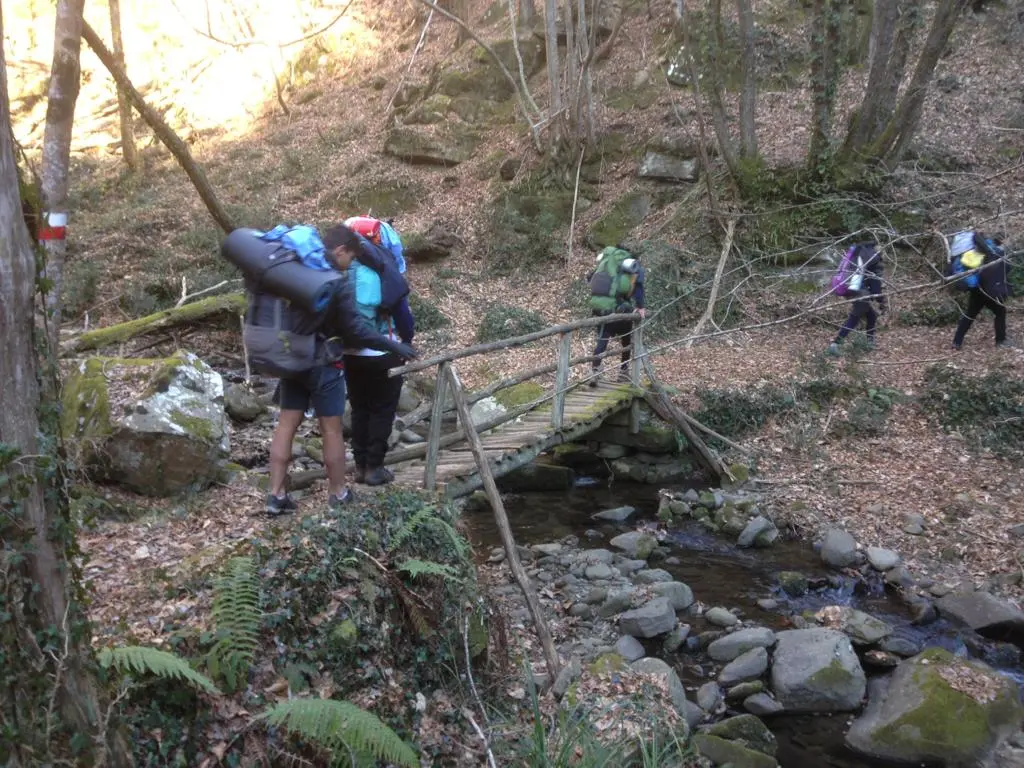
(833, 350)
(280, 505)
(1006, 344)
(335, 503)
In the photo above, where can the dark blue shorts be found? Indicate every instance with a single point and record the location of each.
(322, 387)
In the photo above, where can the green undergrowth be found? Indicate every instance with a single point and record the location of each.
(501, 321)
(986, 409)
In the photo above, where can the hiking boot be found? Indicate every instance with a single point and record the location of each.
(280, 505)
(956, 347)
(335, 503)
(360, 476)
(379, 476)
(833, 349)
(1006, 344)
(595, 378)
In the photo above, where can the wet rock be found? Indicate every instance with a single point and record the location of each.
(862, 628)
(983, 612)
(616, 602)
(567, 675)
(744, 690)
(598, 571)
(627, 566)
(676, 638)
(709, 697)
(596, 556)
(922, 611)
(899, 577)
(617, 515)
(737, 643)
(721, 617)
(749, 666)
(636, 544)
(654, 618)
(901, 646)
(816, 670)
(882, 559)
(704, 639)
(581, 611)
(658, 668)
(629, 648)
(612, 451)
(767, 604)
(762, 705)
(938, 709)
(590, 533)
(653, 576)
(723, 752)
(793, 583)
(242, 404)
(759, 532)
(547, 549)
(748, 731)
(881, 659)
(838, 549)
(913, 524)
(661, 167)
(596, 595)
(679, 595)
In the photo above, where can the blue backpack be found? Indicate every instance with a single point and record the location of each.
(380, 233)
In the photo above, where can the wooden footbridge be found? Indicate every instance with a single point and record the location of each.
(458, 462)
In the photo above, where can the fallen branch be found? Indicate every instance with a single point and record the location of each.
(717, 282)
(213, 306)
(186, 298)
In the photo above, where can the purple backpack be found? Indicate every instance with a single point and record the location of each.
(841, 279)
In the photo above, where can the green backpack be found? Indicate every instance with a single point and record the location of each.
(609, 285)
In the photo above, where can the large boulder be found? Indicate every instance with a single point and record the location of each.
(984, 613)
(420, 146)
(816, 670)
(650, 620)
(690, 712)
(736, 644)
(155, 426)
(938, 709)
(662, 167)
(862, 628)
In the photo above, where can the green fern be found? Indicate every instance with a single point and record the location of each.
(236, 614)
(136, 659)
(427, 516)
(415, 567)
(341, 725)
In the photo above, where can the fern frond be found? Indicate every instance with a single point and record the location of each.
(415, 567)
(236, 614)
(411, 525)
(137, 659)
(333, 724)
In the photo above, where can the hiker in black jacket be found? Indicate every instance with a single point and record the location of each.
(992, 290)
(323, 388)
(869, 269)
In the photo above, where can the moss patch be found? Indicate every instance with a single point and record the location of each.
(835, 675)
(196, 427)
(519, 394)
(384, 199)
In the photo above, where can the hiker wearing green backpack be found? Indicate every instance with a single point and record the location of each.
(616, 287)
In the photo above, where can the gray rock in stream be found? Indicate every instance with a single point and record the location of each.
(617, 515)
(598, 572)
(762, 705)
(759, 532)
(817, 670)
(982, 612)
(651, 666)
(679, 595)
(590, 556)
(749, 666)
(721, 617)
(748, 731)
(882, 559)
(838, 549)
(616, 602)
(636, 544)
(709, 697)
(650, 620)
(629, 648)
(737, 643)
(652, 576)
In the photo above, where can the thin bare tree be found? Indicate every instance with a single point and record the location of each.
(554, 70)
(748, 92)
(527, 12)
(60, 117)
(129, 152)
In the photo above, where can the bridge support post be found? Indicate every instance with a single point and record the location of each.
(561, 378)
(636, 366)
(434, 436)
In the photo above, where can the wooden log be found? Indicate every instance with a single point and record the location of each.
(434, 436)
(505, 529)
(515, 341)
(561, 378)
(189, 314)
(635, 368)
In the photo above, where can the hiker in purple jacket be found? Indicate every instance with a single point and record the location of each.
(864, 285)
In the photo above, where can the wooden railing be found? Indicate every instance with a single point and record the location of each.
(439, 406)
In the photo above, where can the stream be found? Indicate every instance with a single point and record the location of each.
(720, 574)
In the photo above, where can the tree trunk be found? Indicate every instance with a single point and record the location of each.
(572, 62)
(713, 54)
(748, 96)
(163, 131)
(460, 9)
(587, 41)
(34, 517)
(827, 42)
(60, 117)
(865, 123)
(554, 75)
(901, 129)
(527, 12)
(906, 25)
(129, 153)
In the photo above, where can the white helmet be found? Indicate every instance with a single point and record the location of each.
(630, 266)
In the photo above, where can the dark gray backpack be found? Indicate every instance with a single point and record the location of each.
(282, 340)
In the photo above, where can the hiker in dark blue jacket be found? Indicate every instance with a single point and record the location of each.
(866, 286)
(992, 290)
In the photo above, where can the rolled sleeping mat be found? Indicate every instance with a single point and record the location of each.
(274, 269)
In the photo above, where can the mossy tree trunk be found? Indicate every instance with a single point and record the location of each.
(527, 12)
(129, 152)
(826, 43)
(748, 94)
(62, 95)
(49, 694)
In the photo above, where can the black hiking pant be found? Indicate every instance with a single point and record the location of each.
(373, 396)
(621, 331)
(861, 309)
(977, 300)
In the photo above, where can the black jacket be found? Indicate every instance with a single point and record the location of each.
(871, 286)
(994, 276)
(342, 321)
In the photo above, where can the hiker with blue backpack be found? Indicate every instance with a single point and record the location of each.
(859, 277)
(982, 263)
(616, 287)
(302, 314)
(381, 294)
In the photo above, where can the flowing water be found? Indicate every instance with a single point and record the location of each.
(721, 574)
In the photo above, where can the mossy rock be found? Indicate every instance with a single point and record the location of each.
(433, 109)
(627, 213)
(939, 708)
(723, 752)
(628, 99)
(519, 394)
(447, 147)
(384, 198)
